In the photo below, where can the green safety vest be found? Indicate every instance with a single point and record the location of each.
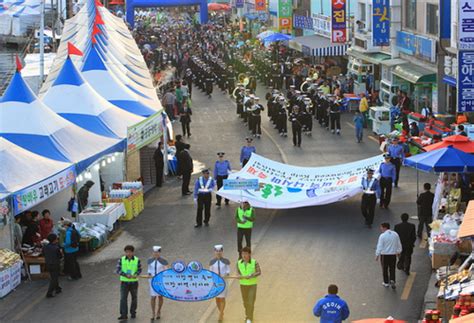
(248, 269)
(248, 224)
(129, 267)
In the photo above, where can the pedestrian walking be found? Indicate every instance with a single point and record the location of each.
(169, 100)
(221, 172)
(203, 197)
(71, 248)
(364, 108)
(389, 247)
(159, 164)
(388, 174)
(359, 126)
(397, 153)
(52, 257)
(246, 151)
(220, 266)
(186, 168)
(370, 196)
(129, 268)
(245, 218)
(185, 113)
(331, 308)
(156, 264)
(249, 270)
(407, 233)
(425, 210)
(296, 119)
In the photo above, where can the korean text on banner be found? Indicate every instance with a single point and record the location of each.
(284, 186)
(144, 132)
(466, 24)
(260, 5)
(466, 81)
(241, 184)
(381, 22)
(39, 192)
(338, 21)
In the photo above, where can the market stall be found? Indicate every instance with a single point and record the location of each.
(131, 195)
(105, 214)
(10, 271)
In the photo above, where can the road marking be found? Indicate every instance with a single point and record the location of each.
(374, 139)
(282, 153)
(212, 307)
(408, 286)
(350, 125)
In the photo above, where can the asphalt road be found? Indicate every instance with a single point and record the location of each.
(300, 251)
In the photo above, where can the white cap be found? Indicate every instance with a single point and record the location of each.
(156, 249)
(219, 247)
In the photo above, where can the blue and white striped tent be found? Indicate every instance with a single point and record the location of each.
(337, 50)
(28, 123)
(318, 46)
(89, 111)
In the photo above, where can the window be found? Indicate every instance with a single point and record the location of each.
(432, 19)
(362, 12)
(410, 14)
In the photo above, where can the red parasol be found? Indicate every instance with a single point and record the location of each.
(218, 7)
(457, 141)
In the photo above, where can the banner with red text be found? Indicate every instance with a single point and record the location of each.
(285, 186)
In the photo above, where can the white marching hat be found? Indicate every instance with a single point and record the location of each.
(156, 248)
(219, 247)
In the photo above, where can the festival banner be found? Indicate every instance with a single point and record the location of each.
(338, 21)
(144, 132)
(466, 81)
(466, 24)
(260, 5)
(381, 23)
(188, 283)
(37, 193)
(284, 186)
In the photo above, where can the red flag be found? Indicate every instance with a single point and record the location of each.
(98, 18)
(93, 40)
(73, 50)
(98, 3)
(19, 67)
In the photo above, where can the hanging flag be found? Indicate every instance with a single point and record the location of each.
(98, 18)
(19, 66)
(73, 50)
(95, 30)
(98, 3)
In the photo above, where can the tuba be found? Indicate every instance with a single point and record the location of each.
(244, 79)
(234, 93)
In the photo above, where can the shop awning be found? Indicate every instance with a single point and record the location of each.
(318, 46)
(393, 62)
(414, 73)
(467, 226)
(373, 58)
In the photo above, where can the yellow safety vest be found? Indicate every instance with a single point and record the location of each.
(247, 269)
(129, 267)
(241, 213)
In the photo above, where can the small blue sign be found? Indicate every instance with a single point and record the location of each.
(241, 184)
(302, 22)
(239, 3)
(188, 283)
(466, 81)
(381, 23)
(419, 46)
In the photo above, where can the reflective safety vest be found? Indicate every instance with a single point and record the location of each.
(241, 213)
(247, 269)
(129, 267)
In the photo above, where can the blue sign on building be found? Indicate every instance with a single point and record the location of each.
(466, 81)
(381, 22)
(239, 3)
(302, 22)
(421, 47)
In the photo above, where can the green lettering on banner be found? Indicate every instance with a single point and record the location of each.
(145, 132)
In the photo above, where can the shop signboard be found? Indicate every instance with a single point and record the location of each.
(302, 22)
(260, 5)
(322, 25)
(338, 21)
(466, 81)
(5, 282)
(188, 282)
(466, 24)
(145, 132)
(39, 192)
(418, 46)
(285, 186)
(381, 22)
(285, 14)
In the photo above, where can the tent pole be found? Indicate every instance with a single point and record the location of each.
(417, 183)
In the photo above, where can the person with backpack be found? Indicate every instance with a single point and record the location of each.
(71, 248)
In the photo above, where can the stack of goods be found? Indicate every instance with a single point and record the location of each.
(464, 306)
(455, 294)
(10, 271)
(131, 195)
(94, 236)
(432, 316)
(133, 186)
(443, 240)
(120, 194)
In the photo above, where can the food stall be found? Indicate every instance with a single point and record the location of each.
(104, 214)
(10, 271)
(131, 195)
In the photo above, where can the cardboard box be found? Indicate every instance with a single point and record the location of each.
(445, 312)
(439, 260)
(465, 246)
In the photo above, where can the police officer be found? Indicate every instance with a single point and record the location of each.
(249, 270)
(371, 193)
(156, 264)
(203, 197)
(245, 218)
(128, 267)
(221, 171)
(388, 174)
(247, 151)
(220, 266)
(396, 151)
(296, 125)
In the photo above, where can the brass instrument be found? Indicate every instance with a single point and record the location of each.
(244, 79)
(234, 93)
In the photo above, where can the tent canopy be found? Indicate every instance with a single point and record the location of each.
(447, 159)
(462, 143)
